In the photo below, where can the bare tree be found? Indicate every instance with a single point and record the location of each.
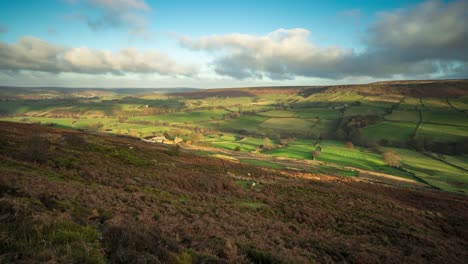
(392, 159)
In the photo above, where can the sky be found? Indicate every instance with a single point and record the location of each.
(208, 44)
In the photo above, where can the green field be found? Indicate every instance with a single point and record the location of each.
(436, 173)
(249, 123)
(240, 120)
(184, 117)
(391, 131)
(403, 116)
(291, 124)
(445, 117)
(364, 110)
(460, 103)
(436, 103)
(336, 152)
(410, 103)
(442, 133)
(323, 113)
(277, 113)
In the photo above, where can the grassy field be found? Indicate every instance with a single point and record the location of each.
(240, 122)
(185, 117)
(277, 113)
(460, 103)
(411, 103)
(436, 103)
(365, 110)
(250, 123)
(442, 133)
(391, 131)
(292, 124)
(322, 113)
(445, 117)
(436, 173)
(336, 152)
(403, 116)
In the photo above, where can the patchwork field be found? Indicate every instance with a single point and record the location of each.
(390, 131)
(279, 122)
(292, 124)
(403, 116)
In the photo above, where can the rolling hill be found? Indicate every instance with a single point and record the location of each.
(72, 196)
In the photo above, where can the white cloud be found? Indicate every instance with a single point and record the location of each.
(426, 40)
(280, 54)
(37, 55)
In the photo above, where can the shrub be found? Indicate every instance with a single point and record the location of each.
(391, 158)
(195, 137)
(267, 145)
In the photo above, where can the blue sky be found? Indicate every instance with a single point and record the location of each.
(137, 43)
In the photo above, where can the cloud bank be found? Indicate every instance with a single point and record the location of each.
(34, 54)
(428, 39)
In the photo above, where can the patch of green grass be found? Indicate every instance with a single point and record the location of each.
(247, 185)
(442, 133)
(292, 124)
(335, 152)
(364, 110)
(248, 123)
(410, 103)
(185, 117)
(445, 117)
(232, 145)
(461, 161)
(391, 131)
(436, 173)
(436, 103)
(403, 116)
(460, 103)
(277, 113)
(322, 113)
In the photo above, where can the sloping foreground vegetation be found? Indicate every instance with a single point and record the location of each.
(68, 196)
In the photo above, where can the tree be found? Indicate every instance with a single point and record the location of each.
(267, 145)
(392, 159)
(195, 137)
(315, 154)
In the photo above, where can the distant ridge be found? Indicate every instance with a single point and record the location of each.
(416, 88)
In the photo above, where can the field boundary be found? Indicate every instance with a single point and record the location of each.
(456, 109)
(422, 104)
(419, 123)
(444, 161)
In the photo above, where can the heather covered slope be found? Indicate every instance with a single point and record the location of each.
(69, 196)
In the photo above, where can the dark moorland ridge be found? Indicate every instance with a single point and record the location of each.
(69, 196)
(416, 88)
